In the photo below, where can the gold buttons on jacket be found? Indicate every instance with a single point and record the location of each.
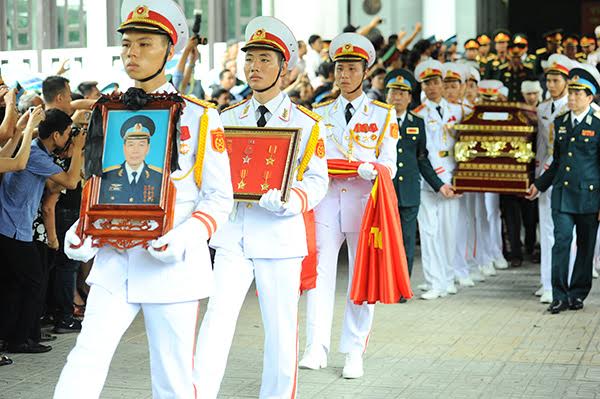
(591, 186)
(248, 206)
(566, 183)
(131, 199)
(400, 178)
(568, 168)
(572, 138)
(401, 164)
(400, 150)
(570, 154)
(344, 190)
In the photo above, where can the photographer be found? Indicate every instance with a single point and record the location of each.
(20, 195)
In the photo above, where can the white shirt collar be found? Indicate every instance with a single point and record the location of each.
(433, 105)
(402, 116)
(561, 102)
(130, 172)
(271, 105)
(168, 87)
(580, 117)
(356, 103)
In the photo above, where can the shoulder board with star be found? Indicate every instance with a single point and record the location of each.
(414, 114)
(531, 57)
(322, 104)
(495, 63)
(541, 50)
(418, 109)
(382, 104)
(312, 115)
(203, 103)
(235, 105)
(528, 65)
(155, 168)
(491, 57)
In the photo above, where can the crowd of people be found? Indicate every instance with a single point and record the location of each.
(411, 93)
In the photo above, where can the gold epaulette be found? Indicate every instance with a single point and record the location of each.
(528, 65)
(203, 103)
(418, 109)
(111, 168)
(503, 66)
(314, 116)
(541, 50)
(236, 105)
(382, 104)
(155, 168)
(413, 112)
(324, 103)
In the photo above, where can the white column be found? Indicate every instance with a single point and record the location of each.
(466, 20)
(96, 23)
(439, 18)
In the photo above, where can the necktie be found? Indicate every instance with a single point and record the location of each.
(399, 121)
(349, 112)
(262, 121)
(439, 110)
(575, 122)
(552, 108)
(134, 180)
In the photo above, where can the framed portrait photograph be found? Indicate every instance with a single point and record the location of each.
(129, 199)
(261, 159)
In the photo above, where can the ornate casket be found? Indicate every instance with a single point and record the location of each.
(495, 149)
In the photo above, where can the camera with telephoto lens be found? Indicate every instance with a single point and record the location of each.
(196, 27)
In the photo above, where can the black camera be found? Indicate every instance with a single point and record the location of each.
(196, 27)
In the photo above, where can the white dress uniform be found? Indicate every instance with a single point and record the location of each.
(366, 137)
(264, 246)
(437, 215)
(125, 282)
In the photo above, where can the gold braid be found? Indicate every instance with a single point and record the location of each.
(309, 151)
(382, 135)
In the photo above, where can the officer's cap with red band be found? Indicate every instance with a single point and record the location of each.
(272, 34)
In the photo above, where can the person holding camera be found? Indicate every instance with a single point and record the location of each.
(20, 195)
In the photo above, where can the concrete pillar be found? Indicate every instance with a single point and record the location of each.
(439, 18)
(96, 23)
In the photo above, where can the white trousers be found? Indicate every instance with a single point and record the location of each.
(494, 219)
(171, 330)
(466, 238)
(358, 319)
(483, 247)
(278, 286)
(437, 227)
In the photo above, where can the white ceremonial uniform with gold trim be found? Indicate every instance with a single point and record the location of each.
(125, 282)
(339, 215)
(259, 245)
(437, 215)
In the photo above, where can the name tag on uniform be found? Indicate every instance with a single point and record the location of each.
(588, 133)
(443, 154)
(412, 130)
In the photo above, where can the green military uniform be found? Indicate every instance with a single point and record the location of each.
(413, 161)
(553, 39)
(512, 79)
(575, 177)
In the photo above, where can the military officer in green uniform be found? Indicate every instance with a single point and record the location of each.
(484, 52)
(501, 42)
(514, 72)
(521, 42)
(553, 40)
(413, 158)
(575, 179)
(134, 181)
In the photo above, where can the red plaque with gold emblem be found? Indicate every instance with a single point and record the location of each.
(261, 159)
(129, 198)
(495, 149)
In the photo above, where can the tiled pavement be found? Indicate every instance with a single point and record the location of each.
(490, 341)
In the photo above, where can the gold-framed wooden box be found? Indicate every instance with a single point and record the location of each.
(495, 149)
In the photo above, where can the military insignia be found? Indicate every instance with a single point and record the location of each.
(329, 125)
(453, 119)
(443, 154)
(184, 134)
(217, 137)
(373, 137)
(148, 193)
(184, 148)
(245, 111)
(588, 133)
(115, 187)
(259, 34)
(284, 114)
(141, 12)
(320, 148)
(412, 130)
(562, 129)
(588, 120)
(394, 130)
(348, 48)
(373, 127)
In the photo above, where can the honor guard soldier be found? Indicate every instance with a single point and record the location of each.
(588, 44)
(574, 175)
(360, 130)
(484, 53)
(165, 284)
(413, 161)
(264, 242)
(134, 181)
(513, 72)
(471, 87)
(556, 69)
(501, 41)
(553, 40)
(437, 216)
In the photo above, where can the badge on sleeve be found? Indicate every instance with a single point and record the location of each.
(184, 134)
(217, 137)
(394, 130)
(320, 148)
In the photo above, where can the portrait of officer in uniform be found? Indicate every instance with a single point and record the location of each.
(134, 181)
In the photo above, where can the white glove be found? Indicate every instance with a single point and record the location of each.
(188, 234)
(271, 201)
(367, 171)
(81, 253)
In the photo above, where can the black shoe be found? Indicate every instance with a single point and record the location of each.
(402, 300)
(47, 321)
(557, 306)
(67, 326)
(576, 304)
(535, 256)
(3, 345)
(46, 337)
(29, 347)
(516, 262)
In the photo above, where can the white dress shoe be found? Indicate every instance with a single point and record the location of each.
(500, 263)
(488, 269)
(477, 277)
(466, 282)
(546, 297)
(594, 273)
(313, 359)
(451, 289)
(539, 292)
(433, 294)
(424, 287)
(353, 367)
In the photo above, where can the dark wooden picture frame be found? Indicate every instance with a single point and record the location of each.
(257, 161)
(125, 226)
